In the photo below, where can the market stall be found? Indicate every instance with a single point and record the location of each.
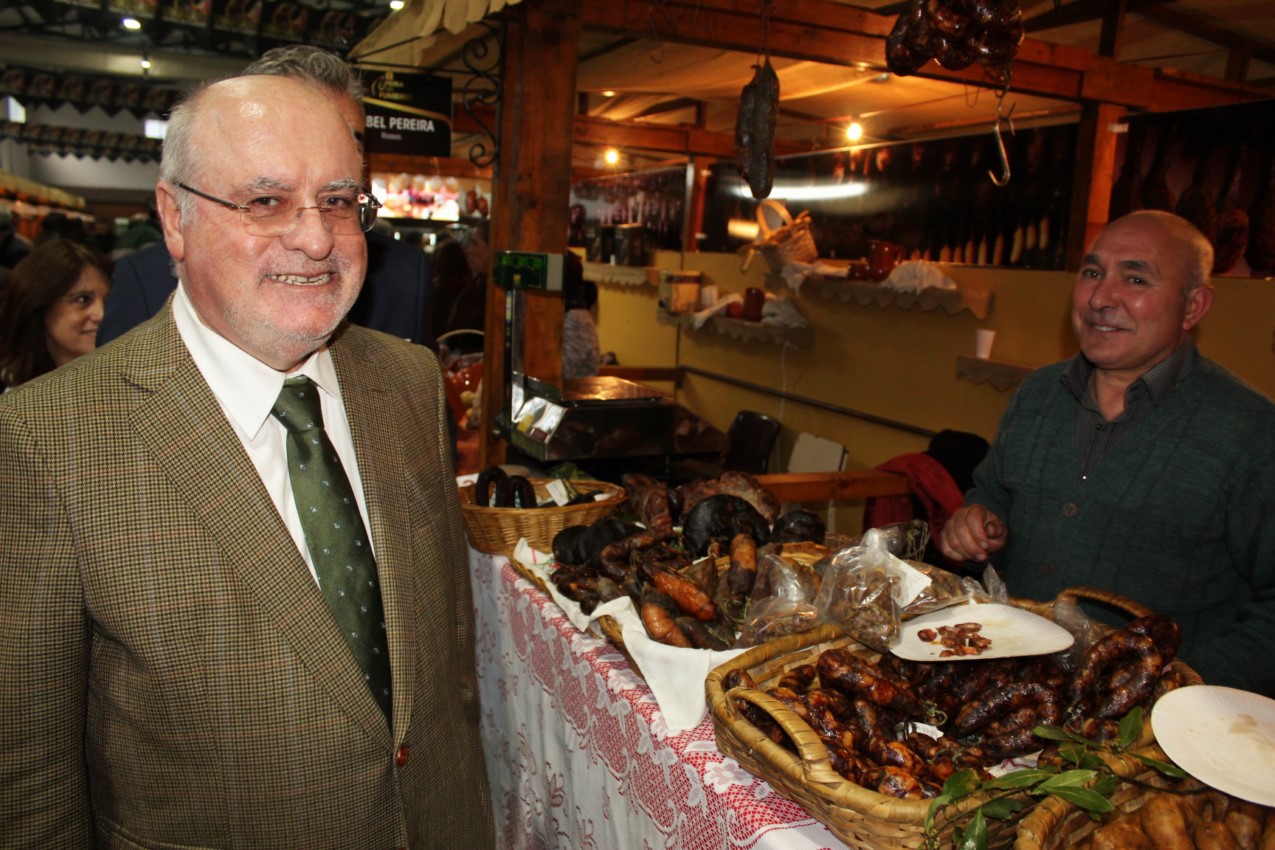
(594, 721)
(577, 752)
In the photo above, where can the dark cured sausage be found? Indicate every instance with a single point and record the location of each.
(492, 487)
(755, 130)
(521, 493)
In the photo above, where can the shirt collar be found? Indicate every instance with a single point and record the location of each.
(1157, 382)
(245, 387)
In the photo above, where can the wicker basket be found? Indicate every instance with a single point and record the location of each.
(1055, 823)
(791, 242)
(858, 816)
(497, 531)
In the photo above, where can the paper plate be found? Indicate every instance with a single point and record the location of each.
(1222, 736)
(1013, 631)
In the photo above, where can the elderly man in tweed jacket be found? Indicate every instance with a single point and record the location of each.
(173, 674)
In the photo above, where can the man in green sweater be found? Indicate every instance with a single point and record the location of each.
(1139, 466)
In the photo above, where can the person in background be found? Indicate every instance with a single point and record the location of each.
(59, 225)
(459, 294)
(13, 245)
(581, 352)
(184, 664)
(1139, 466)
(50, 309)
(397, 296)
(143, 230)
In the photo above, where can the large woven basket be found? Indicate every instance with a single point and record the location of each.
(497, 531)
(860, 817)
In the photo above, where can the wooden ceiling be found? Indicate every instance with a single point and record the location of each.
(661, 79)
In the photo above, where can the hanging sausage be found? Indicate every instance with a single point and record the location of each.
(755, 130)
(955, 33)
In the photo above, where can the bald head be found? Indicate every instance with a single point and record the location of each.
(1193, 255)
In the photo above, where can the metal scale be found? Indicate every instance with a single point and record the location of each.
(593, 421)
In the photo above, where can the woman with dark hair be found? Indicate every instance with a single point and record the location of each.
(51, 309)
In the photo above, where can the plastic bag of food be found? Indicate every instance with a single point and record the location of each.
(947, 588)
(865, 589)
(782, 601)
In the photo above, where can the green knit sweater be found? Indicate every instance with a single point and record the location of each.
(1180, 516)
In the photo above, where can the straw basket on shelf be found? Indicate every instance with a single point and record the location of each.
(857, 815)
(791, 242)
(497, 531)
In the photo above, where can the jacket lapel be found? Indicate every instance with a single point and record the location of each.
(373, 406)
(183, 426)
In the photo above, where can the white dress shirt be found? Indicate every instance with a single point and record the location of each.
(247, 389)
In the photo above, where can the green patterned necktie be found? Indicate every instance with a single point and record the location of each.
(334, 533)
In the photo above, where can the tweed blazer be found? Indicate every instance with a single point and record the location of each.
(172, 677)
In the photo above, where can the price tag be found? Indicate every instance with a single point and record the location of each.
(558, 492)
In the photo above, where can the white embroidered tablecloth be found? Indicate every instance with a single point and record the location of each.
(577, 752)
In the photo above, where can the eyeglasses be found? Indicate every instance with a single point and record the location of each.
(343, 213)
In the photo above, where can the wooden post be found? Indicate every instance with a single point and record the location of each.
(1093, 177)
(531, 190)
(1095, 152)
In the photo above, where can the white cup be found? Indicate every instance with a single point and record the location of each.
(983, 343)
(707, 295)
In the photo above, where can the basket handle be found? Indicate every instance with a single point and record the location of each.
(812, 752)
(764, 225)
(1096, 594)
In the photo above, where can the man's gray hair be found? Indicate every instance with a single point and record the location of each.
(178, 161)
(305, 62)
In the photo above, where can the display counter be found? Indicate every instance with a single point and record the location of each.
(577, 753)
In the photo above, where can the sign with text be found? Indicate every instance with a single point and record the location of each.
(408, 114)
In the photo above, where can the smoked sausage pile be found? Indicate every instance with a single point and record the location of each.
(679, 594)
(955, 33)
(863, 712)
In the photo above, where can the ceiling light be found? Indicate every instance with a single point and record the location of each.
(611, 157)
(395, 5)
(608, 93)
(131, 24)
(855, 131)
(146, 64)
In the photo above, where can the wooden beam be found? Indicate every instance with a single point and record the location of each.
(848, 36)
(680, 138)
(850, 486)
(1112, 29)
(1210, 31)
(1092, 178)
(1082, 11)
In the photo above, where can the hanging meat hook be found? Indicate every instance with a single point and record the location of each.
(1008, 118)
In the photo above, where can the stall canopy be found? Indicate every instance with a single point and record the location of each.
(405, 37)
